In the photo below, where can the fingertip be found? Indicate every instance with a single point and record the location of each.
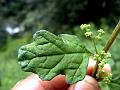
(107, 68)
(91, 66)
(88, 83)
(30, 83)
(57, 83)
(33, 82)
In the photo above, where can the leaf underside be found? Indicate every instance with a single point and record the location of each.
(50, 55)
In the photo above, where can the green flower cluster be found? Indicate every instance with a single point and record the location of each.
(100, 57)
(87, 28)
(103, 59)
(100, 34)
(89, 33)
(107, 79)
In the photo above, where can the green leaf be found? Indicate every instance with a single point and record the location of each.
(49, 55)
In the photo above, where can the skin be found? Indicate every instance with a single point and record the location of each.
(33, 82)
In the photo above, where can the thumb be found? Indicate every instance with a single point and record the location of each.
(89, 83)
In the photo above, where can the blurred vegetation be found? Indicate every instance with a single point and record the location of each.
(10, 71)
(25, 17)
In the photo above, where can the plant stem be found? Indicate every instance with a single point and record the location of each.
(96, 65)
(108, 45)
(112, 37)
(95, 45)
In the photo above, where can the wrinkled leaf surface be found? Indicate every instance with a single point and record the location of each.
(49, 55)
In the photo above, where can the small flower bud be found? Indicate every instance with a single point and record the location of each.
(85, 27)
(96, 56)
(107, 78)
(88, 34)
(108, 55)
(100, 34)
(101, 31)
(98, 37)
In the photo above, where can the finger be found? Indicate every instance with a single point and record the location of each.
(30, 83)
(33, 82)
(57, 83)
(88, 83)
(91, 66)
(107, 68)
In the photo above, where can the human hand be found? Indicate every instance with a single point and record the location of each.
(33, 82)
